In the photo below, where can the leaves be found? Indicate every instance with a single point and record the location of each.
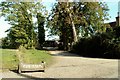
(41, 31)
(87, 17)
(20, 15)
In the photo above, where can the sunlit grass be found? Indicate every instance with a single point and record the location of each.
(10, 59)
(36, 56)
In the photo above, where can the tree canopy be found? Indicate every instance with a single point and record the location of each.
(86, 17)
(20, 15)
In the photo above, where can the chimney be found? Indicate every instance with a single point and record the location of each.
(118, 17)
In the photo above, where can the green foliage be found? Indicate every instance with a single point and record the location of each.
(87, 14)
(100, 45)
(41, 31)
(88, 18)
(117, 32)
(5, 42)
(17, 36)
(20, 16)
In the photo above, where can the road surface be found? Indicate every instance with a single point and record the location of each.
(68, 65)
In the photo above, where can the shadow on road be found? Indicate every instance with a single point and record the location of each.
(55, 52)
(50, 48)
(26, 76)
(63, 53)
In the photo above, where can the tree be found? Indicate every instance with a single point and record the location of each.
(20, 15)
(60, 18)
(73, 25)
(17, 36)
(41, 31)
(5, 43)
(87, 17)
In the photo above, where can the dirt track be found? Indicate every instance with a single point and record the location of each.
(72, 66)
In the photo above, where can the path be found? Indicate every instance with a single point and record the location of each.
(72, 66)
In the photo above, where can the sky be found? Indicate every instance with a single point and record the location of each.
(113, 6)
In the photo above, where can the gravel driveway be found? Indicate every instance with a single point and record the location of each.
(72, 66)
(69, 65)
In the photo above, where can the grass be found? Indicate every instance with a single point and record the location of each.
(36, 56)
(10, 59)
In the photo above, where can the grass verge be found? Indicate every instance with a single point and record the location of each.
(36, 56)
(10, 58)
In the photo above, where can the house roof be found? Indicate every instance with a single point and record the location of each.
(113, 24)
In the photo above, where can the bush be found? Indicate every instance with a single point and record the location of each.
(99, 45)
(5, 42)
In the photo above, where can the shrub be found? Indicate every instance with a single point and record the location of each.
(99, 45)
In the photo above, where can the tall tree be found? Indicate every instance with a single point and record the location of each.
(87, 17)
(41, 31)
(72, 23)
(20, 15)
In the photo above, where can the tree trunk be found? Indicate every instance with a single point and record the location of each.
(73, 26)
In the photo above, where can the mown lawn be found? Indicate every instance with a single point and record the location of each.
(10, 58)
(36, 56)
